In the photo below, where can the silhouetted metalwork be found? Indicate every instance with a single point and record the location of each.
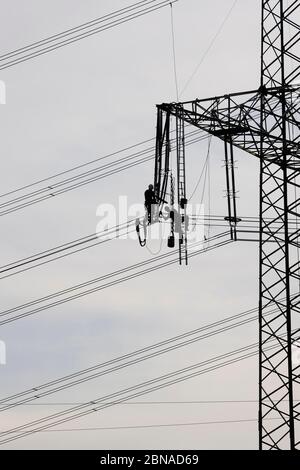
(263, 123)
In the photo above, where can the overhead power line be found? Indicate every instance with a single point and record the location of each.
(129, 359)
(81, 179)
(77, 167)
(141, 389)
(95, 239)
(97, 284)
(157, 425)
(80, 32)
(126, 394)
(150, 403)
(75, 181)
(58, 384)
(66, 249)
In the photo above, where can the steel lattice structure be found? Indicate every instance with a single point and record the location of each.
(265, 123)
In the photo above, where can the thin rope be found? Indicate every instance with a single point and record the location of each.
(154, 253)
(203, 169)
(174, 53)
(201, 174)
(203, 192)
(209, 47)
(209, 189)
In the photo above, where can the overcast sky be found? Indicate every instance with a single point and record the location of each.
(81, 102)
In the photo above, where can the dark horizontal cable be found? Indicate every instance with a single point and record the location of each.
(139, 386)
(50, 196)
(125, 149)
(163, 377)
(69, 248)
(82, 376)
(161, 402)
(160, 425)
(204, 328)
(98, 401)
(74, 29)
(80, 241)
(141, 153)
(71, 244)
(78, 250)
(75, 168)
(80, 184)
(98, 240)
(52, 188)
(103, 277)
(22, 429)
(97, 288)
(83, 35)
(93, 281)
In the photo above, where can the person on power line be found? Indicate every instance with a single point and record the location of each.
(150, 201)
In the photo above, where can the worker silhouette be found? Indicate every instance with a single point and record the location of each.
(150, 202)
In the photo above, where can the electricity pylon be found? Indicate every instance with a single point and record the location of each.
(264, 123)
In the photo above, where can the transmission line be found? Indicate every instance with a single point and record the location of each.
(84, 178)
(94, 239)
(126, 394)
(13, 315)
(160, 425)
(67, 249)
(135, 357)
(80, 32)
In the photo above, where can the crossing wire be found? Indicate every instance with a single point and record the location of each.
(128, 393)
(82, 179)
(140, 268)
(80, 32)
(89, 241)
(127, 360)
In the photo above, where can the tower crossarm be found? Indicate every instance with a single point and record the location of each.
(237, 117)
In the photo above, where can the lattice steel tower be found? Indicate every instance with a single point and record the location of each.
(264, 123)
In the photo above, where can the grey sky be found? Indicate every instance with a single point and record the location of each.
(83, 101)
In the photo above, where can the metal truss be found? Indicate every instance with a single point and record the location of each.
(265, 124)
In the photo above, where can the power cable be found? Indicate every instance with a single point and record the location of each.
(128, 393)
(118, 398)
(160, 425)
(78, 181)
(127, 360)
(40, 47)
(160, 402)
(9, 312)
(84, 243)
(67, 250)
(140, 355)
